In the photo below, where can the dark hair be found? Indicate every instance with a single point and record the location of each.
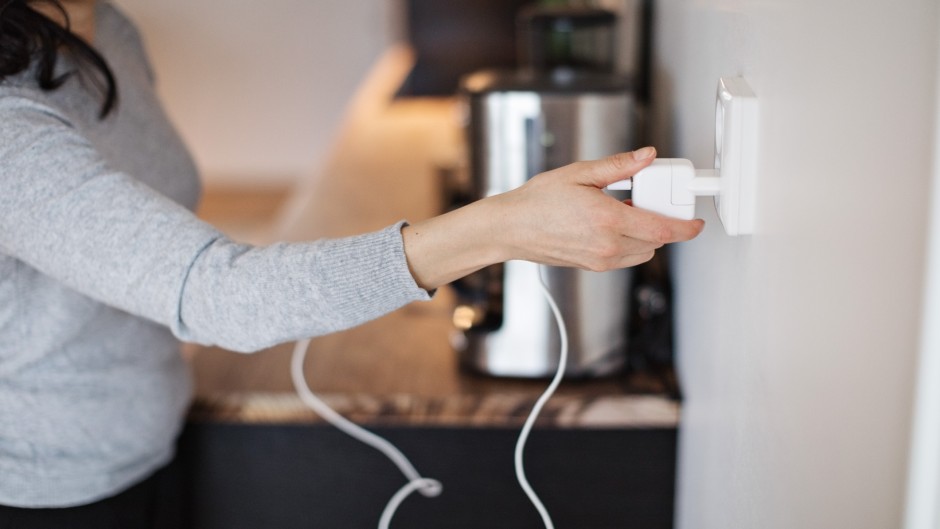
(27, 35)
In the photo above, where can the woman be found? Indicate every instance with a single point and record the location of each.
(104, 268)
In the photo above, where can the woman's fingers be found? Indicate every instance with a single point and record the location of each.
(655, 228)
(635, 239)
(636, 259)
(601, 173)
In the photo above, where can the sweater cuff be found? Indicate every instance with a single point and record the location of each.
(368, 275)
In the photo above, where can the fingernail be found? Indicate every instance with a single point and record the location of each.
(644, 153)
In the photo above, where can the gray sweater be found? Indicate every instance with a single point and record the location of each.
(104, 268)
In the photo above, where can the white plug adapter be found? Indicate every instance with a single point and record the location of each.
(669, 186)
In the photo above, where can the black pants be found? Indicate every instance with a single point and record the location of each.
(155, 503)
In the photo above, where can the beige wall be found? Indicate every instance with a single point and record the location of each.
(257, 88)
(798, 344)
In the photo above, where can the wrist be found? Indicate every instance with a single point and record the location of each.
(445, 248)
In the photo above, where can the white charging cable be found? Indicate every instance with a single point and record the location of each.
(540, 403)
(426, 486)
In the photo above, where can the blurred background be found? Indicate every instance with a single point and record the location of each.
(221, 68)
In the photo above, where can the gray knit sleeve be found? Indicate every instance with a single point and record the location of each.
(64, 212)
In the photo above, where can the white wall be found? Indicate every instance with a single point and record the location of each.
(257, 88)
(797, 345)
(923, 500)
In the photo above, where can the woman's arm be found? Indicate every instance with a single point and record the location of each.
(559, 218)
(67, 214)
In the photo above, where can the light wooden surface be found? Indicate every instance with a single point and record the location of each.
(384, 168)
(246, 215)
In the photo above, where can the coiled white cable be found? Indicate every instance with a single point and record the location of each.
(426, 486)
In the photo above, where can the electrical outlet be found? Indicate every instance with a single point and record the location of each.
(669, 186)
(736, 155)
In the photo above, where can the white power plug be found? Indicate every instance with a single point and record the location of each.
(669, 186)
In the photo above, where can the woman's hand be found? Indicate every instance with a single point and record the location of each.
(560, 218)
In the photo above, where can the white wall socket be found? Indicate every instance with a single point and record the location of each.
(669, 186)
(736, 155)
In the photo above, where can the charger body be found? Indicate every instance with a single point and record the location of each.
(663, 187)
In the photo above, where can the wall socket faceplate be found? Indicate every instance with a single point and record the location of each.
(736, 155)
(669, 186)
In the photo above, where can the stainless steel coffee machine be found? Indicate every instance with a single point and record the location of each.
(523, 122)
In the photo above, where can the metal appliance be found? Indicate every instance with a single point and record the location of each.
(521, 123)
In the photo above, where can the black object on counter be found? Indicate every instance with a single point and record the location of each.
(651, 343)
(455, 37)
(566, 37)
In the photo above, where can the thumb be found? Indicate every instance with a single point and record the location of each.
(601, 173)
